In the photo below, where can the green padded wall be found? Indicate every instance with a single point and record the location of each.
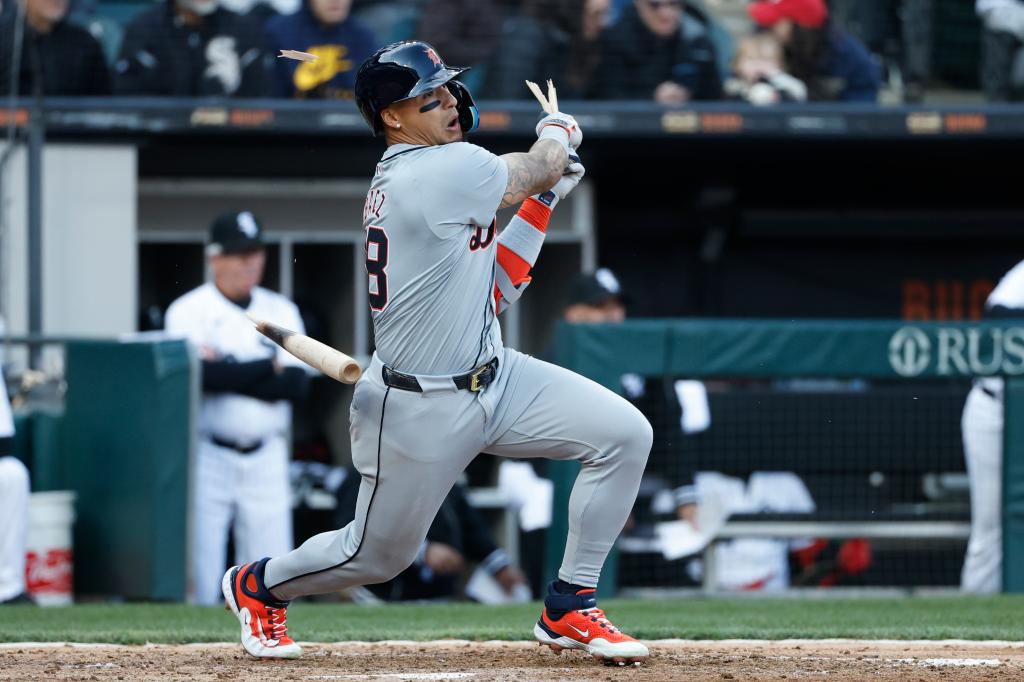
(38, 442)
(127, 431)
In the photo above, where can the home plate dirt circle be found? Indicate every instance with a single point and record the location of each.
(522, 662)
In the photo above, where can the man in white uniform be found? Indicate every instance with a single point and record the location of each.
(241, 480)
(441, 386)
(14, 493)
(982, 428)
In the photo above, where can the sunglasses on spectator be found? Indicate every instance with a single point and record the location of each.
(658, 4)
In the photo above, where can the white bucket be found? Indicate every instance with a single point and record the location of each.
(48, 562)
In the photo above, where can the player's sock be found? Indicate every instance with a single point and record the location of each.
(562, 587)
(258, 589)
(564, 597)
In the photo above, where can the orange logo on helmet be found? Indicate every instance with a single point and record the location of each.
(432, 56)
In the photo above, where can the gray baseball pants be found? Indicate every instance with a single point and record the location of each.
(410, 448)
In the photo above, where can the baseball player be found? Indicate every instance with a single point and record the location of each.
(14, 493)
(241, 479)
(982, 429)
(441, 387)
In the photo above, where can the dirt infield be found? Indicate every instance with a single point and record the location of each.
(522, 662)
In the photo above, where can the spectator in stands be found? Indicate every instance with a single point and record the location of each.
(14, 494)
(1002, 59)
(659, 49)
(190, 48)
(899, 33)
(831, 62)
(58, 57)
(261, 10)
(390, 20)
(758, 75)
(323, 28)
(458, 535)
(467, 32)
(556, 39)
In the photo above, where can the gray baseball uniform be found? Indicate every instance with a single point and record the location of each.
(431, 265)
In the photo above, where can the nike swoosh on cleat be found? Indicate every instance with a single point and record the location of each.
(583, 633)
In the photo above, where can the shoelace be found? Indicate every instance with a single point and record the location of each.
(278, 623)
(597, 616)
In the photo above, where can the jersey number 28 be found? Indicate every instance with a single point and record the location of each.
(377, 266)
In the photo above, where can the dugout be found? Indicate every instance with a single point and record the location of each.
(712, 210)
(866, 449)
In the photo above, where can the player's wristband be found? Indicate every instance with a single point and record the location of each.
(536, 210)
(558, 133)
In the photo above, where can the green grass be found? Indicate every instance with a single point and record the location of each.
(758, 618)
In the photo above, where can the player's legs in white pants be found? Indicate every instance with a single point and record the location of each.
(214, 506)
(982, 427)
(263, 502)
(14, 495)
(411, 447)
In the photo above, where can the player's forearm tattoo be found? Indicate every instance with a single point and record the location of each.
(533, 172)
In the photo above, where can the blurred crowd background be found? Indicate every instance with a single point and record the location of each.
(668, 51)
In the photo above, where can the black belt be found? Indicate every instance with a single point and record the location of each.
(474, 381)
(237, 447)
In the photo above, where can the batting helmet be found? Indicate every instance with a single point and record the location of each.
(404, 70)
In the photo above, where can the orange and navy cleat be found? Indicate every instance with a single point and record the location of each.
(581, 625)
(264, 628)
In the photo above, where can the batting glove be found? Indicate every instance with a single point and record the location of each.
(574, 172)
(560, 127)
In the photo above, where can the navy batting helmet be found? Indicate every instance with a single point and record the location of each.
(404, 70)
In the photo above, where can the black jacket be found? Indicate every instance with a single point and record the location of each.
(531, 50)
(636, 61)
(224, 55)
(68, 58)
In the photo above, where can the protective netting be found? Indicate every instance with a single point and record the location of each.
(845, 460)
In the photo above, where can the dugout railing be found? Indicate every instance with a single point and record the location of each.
(925, 366)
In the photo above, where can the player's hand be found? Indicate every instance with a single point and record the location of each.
(443, 559)
(670, 92)
(563, 122)
(574, 172)
(688, 512)
(509, 578)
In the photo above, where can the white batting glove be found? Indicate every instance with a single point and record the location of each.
(560, 127)
(574, 172)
